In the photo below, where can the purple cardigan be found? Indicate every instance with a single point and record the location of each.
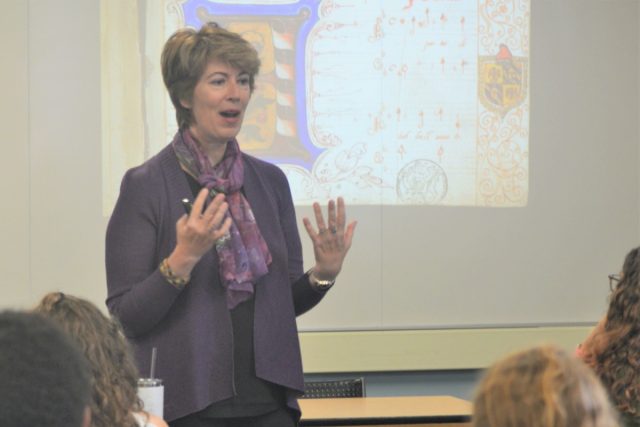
(191, 329)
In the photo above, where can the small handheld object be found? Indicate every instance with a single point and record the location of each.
(187, 205)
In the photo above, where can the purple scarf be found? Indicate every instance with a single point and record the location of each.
(244, 255)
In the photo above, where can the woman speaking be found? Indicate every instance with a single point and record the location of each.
(217, 290)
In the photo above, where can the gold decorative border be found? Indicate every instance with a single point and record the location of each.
(503, 136)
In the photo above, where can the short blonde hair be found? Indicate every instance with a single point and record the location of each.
(541, 387)
(186, 54)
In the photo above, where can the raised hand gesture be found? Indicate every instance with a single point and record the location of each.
(331, 241)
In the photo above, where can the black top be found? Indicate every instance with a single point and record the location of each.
(253, 396)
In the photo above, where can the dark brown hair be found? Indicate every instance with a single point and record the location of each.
(44, 378)
(614, 353)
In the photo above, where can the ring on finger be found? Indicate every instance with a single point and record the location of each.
(222, 240)
(333, 230)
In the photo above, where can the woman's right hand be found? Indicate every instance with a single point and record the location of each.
(197, 233)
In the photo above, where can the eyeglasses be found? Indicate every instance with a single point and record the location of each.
(614, 279)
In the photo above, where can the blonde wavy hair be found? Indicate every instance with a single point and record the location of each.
(541, 387)
(114, 376)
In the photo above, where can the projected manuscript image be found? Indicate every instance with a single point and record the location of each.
(411, 102)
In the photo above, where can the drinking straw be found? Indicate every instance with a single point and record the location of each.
(154, 354)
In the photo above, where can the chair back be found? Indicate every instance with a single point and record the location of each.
(335, 388)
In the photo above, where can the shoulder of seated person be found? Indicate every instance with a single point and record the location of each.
(157, 422)
(152, 420)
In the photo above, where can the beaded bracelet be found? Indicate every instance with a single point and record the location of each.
(175, 281)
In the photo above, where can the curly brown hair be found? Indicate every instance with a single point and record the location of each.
(614, 352)
(541, 387)
(114, 376)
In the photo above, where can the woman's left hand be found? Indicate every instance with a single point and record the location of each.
(331, 241)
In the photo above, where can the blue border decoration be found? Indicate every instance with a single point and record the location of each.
(190, 10)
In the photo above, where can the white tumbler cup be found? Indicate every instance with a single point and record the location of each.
(151, 392)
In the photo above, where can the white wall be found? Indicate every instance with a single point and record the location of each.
(52, 226)
(15, 176)
(544, 263)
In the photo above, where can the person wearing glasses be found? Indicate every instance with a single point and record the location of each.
(612, 348)
(217, 290)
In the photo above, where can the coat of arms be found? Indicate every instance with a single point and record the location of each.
(502, 81)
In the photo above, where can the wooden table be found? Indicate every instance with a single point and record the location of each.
(386, 411)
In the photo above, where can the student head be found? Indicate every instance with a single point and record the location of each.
(541, 387)
(44, 380)
(188, 52)
(113, 373)
(624, 302)
(614, 352)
